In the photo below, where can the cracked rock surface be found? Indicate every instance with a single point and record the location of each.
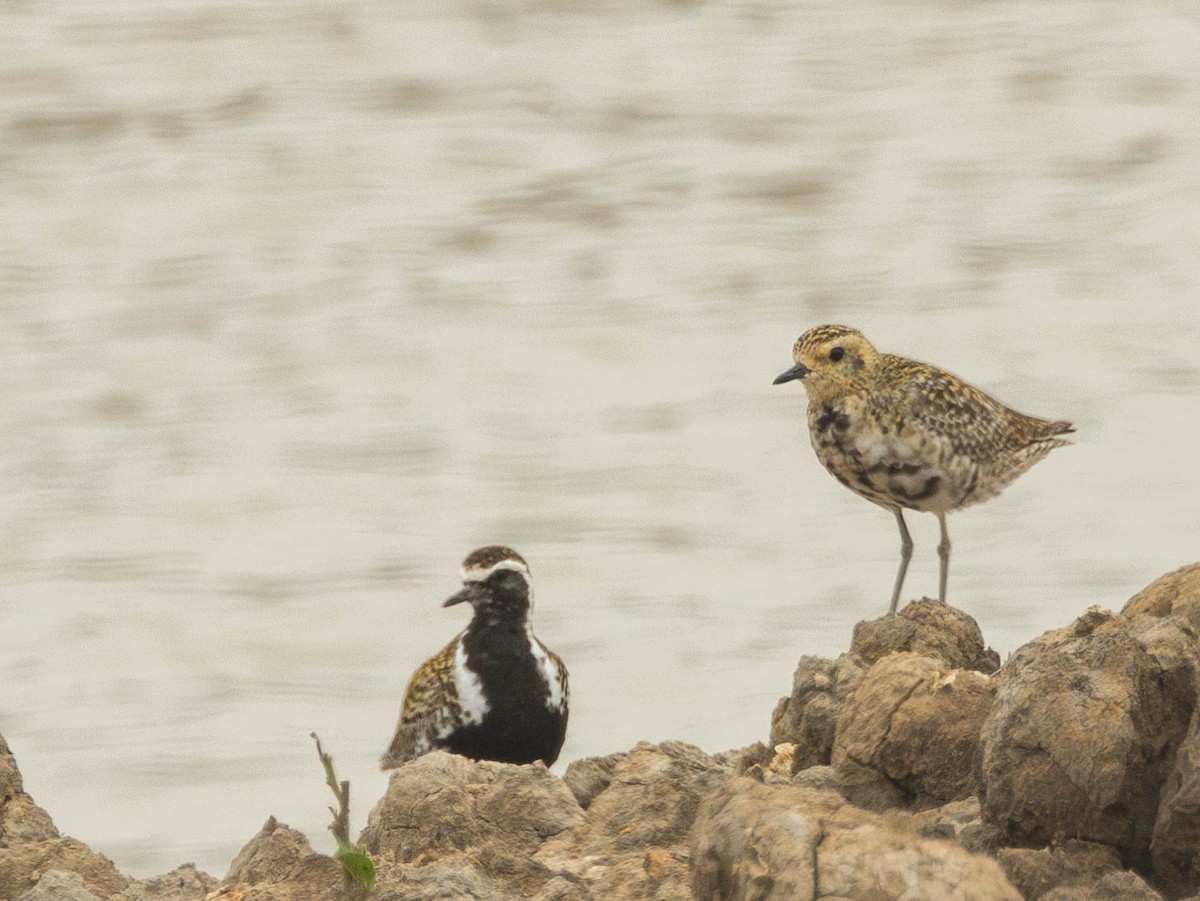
(1085, 730)
(781, 843)
(909, 733)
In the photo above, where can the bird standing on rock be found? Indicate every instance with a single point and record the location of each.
(495, 692)
(904, 434)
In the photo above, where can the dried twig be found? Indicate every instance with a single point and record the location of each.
(354, 860)
(340, 827)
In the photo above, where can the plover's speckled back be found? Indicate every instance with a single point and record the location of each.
(495, 692)
(905, 434)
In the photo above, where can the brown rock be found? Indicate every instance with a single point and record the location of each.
(559, 888)
(740, 758)
(21, 866)
(654, 796)
(59, 885)
(10, 776)
(1175, 594)
(761, 763)
(21, 820)
(1119, 886)
(1076, 869)
(782, 765)
(632, 844)
(1175, 848)
(184, 883)
(278, 863)
(468, 801)
(589, 776)
(911, 725)
(498, 813)
(821, 778)
(962, 822)
(660, 864)
(456, 877)
(1084, 731)
(808, 717)
(780, 843)
(929, 628)
(756, 755)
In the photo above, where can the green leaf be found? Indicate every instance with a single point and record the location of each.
(356, 862)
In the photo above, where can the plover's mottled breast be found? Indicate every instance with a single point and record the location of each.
(904, 434)
(495, 692)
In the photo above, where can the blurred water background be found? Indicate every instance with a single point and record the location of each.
(302, 301)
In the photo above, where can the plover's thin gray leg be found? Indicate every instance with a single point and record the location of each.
(944, 557)
(906, 549)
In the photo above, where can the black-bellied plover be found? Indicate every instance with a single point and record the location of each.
(495, 692)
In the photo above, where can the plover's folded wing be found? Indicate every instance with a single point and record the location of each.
(430, 710)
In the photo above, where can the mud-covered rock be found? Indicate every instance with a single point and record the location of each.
(589, 776)
(59, 885)
(1175, 847)
(280, 855)
(821, 778)
(1119, 885)
(184, 883)
(1075, 870)
(962, 822)
(456, 877)
(499, 813)
(737, 759)
(1175, 594)
(653, 798)
(21, 866)
(765, 764)
(1084, 731)
(633, 841)
(497, 830)
(929, 628)
(807, 718)
(910, 731)
(780, 843)
(21, 820)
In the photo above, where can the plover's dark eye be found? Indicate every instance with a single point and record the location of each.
(837, 353)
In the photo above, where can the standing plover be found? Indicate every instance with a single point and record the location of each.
(495, 692)
(905, 434)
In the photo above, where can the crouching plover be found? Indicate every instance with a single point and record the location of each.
(907, 435)
(495, 692)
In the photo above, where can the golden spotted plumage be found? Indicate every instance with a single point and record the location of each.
(905, 434)
(430, 707)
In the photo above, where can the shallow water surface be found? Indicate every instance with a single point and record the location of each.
(299, 303)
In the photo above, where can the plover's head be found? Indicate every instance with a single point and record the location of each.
(830, 360)
(496, 582)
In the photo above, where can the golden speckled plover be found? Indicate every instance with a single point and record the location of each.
(495, 692)
(907, 435)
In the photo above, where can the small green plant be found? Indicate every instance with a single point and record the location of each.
(353, 858)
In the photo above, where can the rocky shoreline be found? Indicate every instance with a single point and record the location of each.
(914, 766)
